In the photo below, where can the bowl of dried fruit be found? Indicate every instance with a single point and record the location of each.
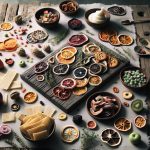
(133, 78)
(47, 17)
(103, 105)
(69, 7)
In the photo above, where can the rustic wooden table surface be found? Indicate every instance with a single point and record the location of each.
(9, 10)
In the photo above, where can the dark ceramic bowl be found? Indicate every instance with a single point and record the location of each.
(47, 25)
(69, 12)
(88, 104)
(131, 87)
(51, 133)
(94, 25)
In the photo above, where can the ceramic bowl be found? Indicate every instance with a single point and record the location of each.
(131, 87)
(88, 105)
(94, 25)
(69, 12)
(47, 25)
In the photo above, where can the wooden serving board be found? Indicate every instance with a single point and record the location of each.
(45, 89)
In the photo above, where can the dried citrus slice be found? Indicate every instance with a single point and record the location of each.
(81, 82)
(113, 40)
(112, 62)
(100, 56)
(30, 97)
(95, 80)
(79, 91)
(111, 137)
(66, 54)
(68, 83)
(69, 134)
(94, 48)
(62, 116)
(2, 46)
(122, 124)
(105, 34)
(64, 61)
(6, 26)
(70, 48)
(10, 44)
(140, 121)
(125, 39)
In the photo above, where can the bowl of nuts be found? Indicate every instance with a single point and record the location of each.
(133, 78)
(47, 17)
(69, 7)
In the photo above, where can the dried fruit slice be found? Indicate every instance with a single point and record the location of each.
(137, 105)
(105, 34)
(5, 26)
(64, 61)
(30, 97)
(81, 83)
(75, 24)
(61, 69)
(10, 44)
(78, 40)
(57, 90)
(85, 48)
(66, 54)
(62, 116)
(79, 91)
(70, 48)
(41, 67)
(70, 134)
(80, 72)
(125, 39)
(2, 46)
(95, 69)
(117, 10)
(113, 40)
(122, 124)
(68, 83)
(112, 62)
(111, 137)
(39, 35)
(64, 94)
(127, 95)
(95, 80)
(94, 49)
(100, 56)
(140, 121)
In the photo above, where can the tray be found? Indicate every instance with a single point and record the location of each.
(45, 89)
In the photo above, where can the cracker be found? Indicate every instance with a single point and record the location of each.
(8, 117)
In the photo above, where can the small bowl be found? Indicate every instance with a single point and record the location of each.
(88, 105)
(94, 25)
(69, 12)
(131, 87)
(51, 132)
(47, 25)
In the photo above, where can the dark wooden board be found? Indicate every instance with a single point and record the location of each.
(44, 88)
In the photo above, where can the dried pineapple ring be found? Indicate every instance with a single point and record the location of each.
(122, 124)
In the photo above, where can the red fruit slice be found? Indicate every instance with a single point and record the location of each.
(78, 40)
(68, 83)
(57, 90)
(64, 94)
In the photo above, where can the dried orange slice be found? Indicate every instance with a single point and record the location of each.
(6, 26)
(113, 40)
(2, 46)
(95, 80)
(79, 91)
(81, 83)
(125, 39)
(105, 34)
(100, 56)
(30, 97)
(122, 124)
(64, 61)
(70, 48)
(10, 44)
(140, 121)
(112, 62)
(66, 54)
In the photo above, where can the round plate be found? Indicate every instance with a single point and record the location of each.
(30, 97)
(70, 134)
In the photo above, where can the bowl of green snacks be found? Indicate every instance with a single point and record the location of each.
(134, 78)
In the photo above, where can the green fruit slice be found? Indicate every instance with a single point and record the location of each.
(137, 105)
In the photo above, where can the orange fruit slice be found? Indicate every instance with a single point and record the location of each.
(6, 26)
(66, 54)
(30, 97)
(2, 46)
(70, 48)
(112, 62)
(10, 44)
(64, 61)
(100, 56)
(125, 39)
(79, 91)
(81, 83)
(113, 40)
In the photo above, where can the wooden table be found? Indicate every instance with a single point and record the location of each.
(8, 11)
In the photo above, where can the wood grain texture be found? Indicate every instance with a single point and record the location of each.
(3, 9)
(11, 11)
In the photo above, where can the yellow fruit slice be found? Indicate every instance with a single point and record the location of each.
(79, 91)
(66, 54)
(81, 83)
